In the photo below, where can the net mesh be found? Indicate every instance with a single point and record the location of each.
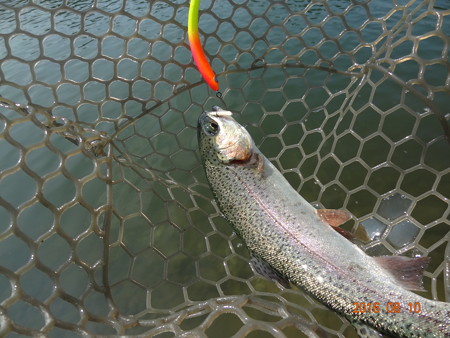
(107, 224)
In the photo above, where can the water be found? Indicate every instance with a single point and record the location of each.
(393, 207)
(164, 238)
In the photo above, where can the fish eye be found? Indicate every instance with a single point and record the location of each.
(211, 128)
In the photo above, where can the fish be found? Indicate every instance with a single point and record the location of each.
(294, 241)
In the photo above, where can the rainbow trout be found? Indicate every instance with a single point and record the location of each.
(293, 238)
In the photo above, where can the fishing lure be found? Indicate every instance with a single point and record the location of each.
(196, 47)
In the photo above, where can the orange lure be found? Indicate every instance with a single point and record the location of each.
(196, 47)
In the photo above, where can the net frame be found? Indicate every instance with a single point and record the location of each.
(279, 46)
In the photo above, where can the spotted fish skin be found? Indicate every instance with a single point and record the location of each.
(282, 228)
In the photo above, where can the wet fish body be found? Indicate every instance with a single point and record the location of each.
(284, 230)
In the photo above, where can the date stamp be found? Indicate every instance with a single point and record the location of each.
(389, 307)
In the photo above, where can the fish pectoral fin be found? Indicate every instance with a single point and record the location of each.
(254, 161)
(264, 269)
(407, 271)
(334, 217)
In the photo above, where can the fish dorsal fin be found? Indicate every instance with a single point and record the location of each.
(407, 271)
(264, 269)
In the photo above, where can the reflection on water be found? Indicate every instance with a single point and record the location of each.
(67, 22)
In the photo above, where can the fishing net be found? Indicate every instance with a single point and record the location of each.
(107, 224)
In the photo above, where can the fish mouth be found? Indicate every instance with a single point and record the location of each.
(216, 112)
(219, 112)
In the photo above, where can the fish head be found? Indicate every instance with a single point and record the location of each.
(221, 139)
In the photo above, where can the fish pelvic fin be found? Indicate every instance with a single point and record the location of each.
(264, 269)
(337, 217)
(334, 217)
(408, 272)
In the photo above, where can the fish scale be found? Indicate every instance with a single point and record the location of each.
(283, 229)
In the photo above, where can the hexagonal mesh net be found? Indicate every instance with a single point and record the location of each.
(107, 224)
